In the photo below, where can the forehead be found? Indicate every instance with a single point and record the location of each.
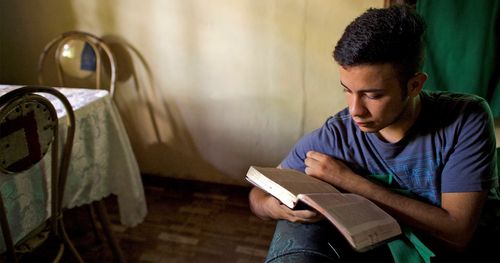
(369, 76)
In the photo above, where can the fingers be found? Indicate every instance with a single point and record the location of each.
(277, 210)
(314, 158)
(282, 211)
(316, 155)
(315, 163)
(302, 216)
(307, 216)
(310, 161)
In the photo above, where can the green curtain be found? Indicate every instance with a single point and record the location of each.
(463, 47)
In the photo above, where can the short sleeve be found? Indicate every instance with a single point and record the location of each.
(327, 139)
(471, 166)
(295, 158)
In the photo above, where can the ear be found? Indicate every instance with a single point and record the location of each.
(416, 83)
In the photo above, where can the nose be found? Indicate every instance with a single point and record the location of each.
(356, 106)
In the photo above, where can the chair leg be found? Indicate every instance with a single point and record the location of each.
(60, 254)
(106, 227)
(68, 242)
(93, 221)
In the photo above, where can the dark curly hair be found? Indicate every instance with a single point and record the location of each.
(389, 35)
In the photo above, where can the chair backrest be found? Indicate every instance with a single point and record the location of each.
(78, 55)
(29, 128)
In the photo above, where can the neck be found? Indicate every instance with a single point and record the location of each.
(396, 131)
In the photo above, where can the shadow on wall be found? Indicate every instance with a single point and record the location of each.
(155, 126)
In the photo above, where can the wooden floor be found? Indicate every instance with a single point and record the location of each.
(186, 222)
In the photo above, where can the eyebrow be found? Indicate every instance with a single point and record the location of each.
(363, 90)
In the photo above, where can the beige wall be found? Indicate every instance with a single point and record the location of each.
(234, 82)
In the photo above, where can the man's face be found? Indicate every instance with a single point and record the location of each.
(374, 96)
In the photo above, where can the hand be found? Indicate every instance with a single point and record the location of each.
(328, 169)
(268, 207)
(277, 210)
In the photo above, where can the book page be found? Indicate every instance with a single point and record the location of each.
(361, 221)
(295, 182)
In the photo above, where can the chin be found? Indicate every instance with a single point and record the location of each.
(369, 129)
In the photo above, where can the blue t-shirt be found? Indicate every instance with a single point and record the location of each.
(450, 148)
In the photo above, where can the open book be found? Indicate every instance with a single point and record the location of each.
(359, 220)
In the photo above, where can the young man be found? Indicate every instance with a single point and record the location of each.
(436, 148)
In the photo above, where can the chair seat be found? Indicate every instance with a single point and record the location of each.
(34, 239)
(41, 245)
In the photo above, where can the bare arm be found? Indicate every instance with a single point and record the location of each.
(453, 223)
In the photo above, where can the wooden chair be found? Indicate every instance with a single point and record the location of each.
(80, 59)
(29, 128)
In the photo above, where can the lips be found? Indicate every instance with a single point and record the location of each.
(363, 124)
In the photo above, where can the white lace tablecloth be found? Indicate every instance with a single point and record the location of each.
(102, 163)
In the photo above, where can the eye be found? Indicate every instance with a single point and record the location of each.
(374, 96)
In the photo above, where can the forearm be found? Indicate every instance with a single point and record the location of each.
(445, 224)
(257, 199)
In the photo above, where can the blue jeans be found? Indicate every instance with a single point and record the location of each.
(317, 242)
